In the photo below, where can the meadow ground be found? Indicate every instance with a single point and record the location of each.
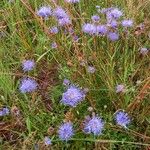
(107, 73)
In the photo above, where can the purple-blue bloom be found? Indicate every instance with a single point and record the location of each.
(28, 85)
(94, 125)
(102, 29)
(66, 131)
(72, 96)
(66, 82)
(112, 23)
(113, 36)
(122, 118)
(95, 18)
(54, 45)
(62, 17)
(114, 13)
(120, 88)
(44, 11)
(47, 141)
(89, 28)
(4, 111)
(54, 30)
(127, 23)
(72, 1)
(28, 65)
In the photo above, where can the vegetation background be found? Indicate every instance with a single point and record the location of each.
(23, 35)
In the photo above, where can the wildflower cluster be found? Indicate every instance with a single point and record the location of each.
(110, 27)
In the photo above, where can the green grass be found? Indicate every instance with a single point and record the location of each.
(115, 63)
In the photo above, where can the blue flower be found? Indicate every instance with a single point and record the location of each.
(66, 82)
(61, 16)
(54, 30)
(102, 29)
(127, 23)
(89, 28)
(113, 36)
(120, 88)
(72, 1)
(47, 141)
(28, 65)
(28, 85)
(95, 18)
(72, 96)
(66, 131)
(44, 11)
(4, 111)
(122, 118)
(94, 125)
(54, 45)
(112, 23)
(114, 13)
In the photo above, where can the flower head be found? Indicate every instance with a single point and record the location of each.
(54, 30)
(95, 18)
(44, 11)
(66, 82)
(61, 16)
(120, 88)
(28, 65)
(28, 85)
(114, 13)
(127, 23)
(66, 131)
(54, 45)
(47, 141)
(72, 96)
(94, 125)
(112, 23)
(122, 118)
(4, 111)
(89, 28)
(72, 1)
(101, 29)
(113, 36)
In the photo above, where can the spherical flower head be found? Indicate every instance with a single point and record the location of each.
(66, 131)
(47, 141)
(127, 23)
(28, 85)
(44, 11)
(91, 69)
(72, 1)
(28, 65)
(122, 118)
(4, 111)
(54, 45)
(64, 21)
(60, 13)
(72, 96)
(120, 88)
(112, 23)
(113, 36)
(89, 28)
(94, 125)
(101, 29)
(114, 13)
(144, 51)
(95, 18)
(66, 82)
(54, 30)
